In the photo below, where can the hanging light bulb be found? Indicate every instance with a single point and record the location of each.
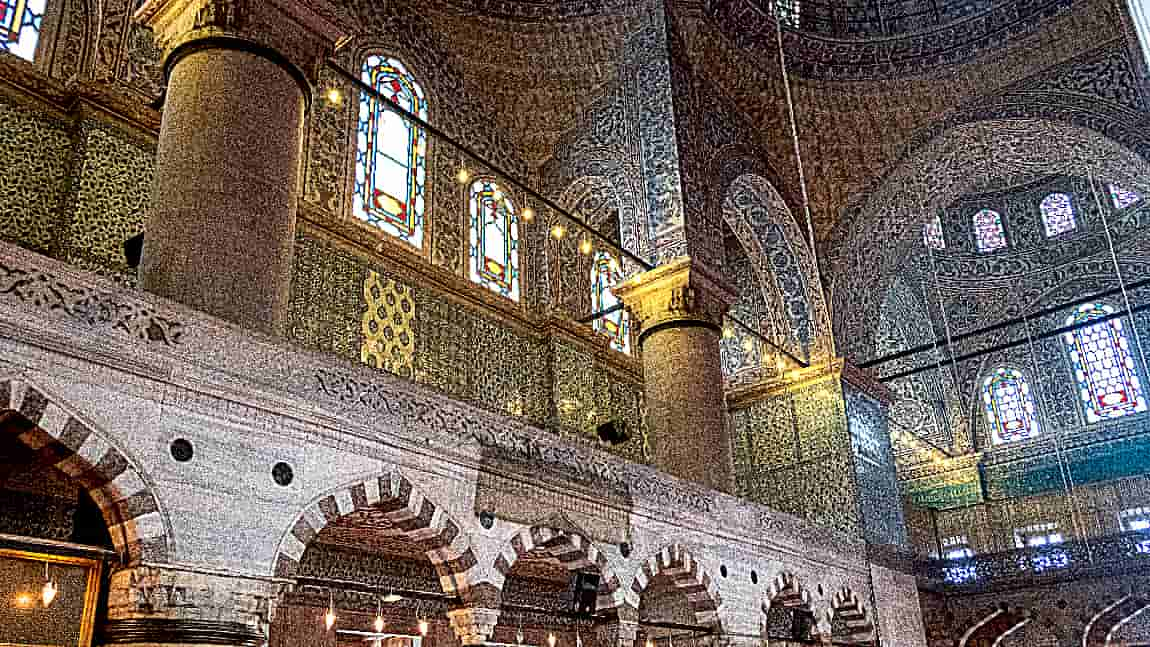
(650, 643)
(423, 627)
(528, 214)
(334, 96)
(329, 617)
(585, 246)
(578, 639)
(519, 635)
(48, 593)
(551, 640)
(558, 231)
(464, 176)
(378, 618)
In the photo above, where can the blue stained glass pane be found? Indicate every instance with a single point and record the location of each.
(989, 234)
(605, 274)
(1108, 383)
(494, 250)
(1122, 198)
(1009, 404)
(932, 234)
(1058, 214)
(391, 153)
(20, 26)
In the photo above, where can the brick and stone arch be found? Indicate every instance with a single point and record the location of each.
(849, 620)
(993, 628)
(687, 575)
(786, 590)
(1103, 626)
(411, 516)
(570, 549)
(65, 441)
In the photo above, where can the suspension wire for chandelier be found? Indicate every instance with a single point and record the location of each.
(607, 242)
(797, 149)
(954, 372)
(937, 365)
(1117, 270)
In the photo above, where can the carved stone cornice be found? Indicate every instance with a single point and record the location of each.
(679, 291)
(301, 32)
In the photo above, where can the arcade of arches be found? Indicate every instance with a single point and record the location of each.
(617, 323)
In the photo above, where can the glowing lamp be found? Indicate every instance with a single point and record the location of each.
(378, 624)
(423, 627)
(48, 593)
(329, 619)
(551, 640)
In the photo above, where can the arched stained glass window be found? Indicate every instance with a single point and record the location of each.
(1103, 365)
(605, 274)
(1009, 406)
(1122, 198)
(391, 153)
(932, 234)
(494, 240)
(1057, 214)
(20, 22)
(989, 234)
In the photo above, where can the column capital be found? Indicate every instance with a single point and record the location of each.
(178, 605)
(473, 625)
(682, 290)
(301, 32)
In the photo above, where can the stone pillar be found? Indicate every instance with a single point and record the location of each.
(619, 631)
(220, 231)
(152, 605)
(473, 625)
(679, 309)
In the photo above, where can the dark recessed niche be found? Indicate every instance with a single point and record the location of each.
(282, 474)
(625, 549)
(754, 577)
(723, 570)
(486, 519)
(181, 450)
(821, 590)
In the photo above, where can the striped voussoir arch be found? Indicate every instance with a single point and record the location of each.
(677, 563)
(572, 550)
(788, 592)
(412, 516)
(61, 440)
(856, 626)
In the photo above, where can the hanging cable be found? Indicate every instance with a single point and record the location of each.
(798, 151)
(954, 375)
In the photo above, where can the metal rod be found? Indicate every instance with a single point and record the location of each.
(1012, 344)
(1003, 324)
(466, 150)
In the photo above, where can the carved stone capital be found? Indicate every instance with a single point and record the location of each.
(302, 32)
(619, 633)
(177, 602)
(682, 290)
(473, 625)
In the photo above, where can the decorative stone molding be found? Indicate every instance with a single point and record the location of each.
(473, 625)
(621, 633)
(301, 32)
(681, 290)
(155, 603)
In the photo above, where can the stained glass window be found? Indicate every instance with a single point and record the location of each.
(1009, 407)
(605, 273)
(494, 240)
(932, 234)
(20, 26)
(988, 231)
(1108, 383)
(1122, 198)
(1057, 214)
(391, 153)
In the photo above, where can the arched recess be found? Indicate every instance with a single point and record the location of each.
(786, 606)
(878, 237)
(65, 442)
(560, 268)
(993, 628)
(850, 622)
(761, 221)
(1105, 627)
(572, 551)
(389, 505)
(677, 568)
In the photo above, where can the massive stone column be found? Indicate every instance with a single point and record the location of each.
(679, 309)
(220, 231)
(150, 606)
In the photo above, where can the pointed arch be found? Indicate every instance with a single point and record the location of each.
(64, 441)
(493, 260)
(1058, 216)
(991, 629)
(414, 517)
(1011, 414)
(787, 590)
(1103, 365)
(687, 575)
(1103, 625)
(571, 549)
